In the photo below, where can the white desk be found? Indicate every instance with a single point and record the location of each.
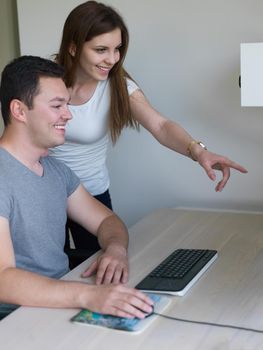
(230, 292)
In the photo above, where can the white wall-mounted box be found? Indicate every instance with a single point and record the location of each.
(251, 55)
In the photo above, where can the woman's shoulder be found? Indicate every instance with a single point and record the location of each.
(131, 85)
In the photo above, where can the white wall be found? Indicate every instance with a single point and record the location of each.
(8, 37)
(185, 56)
(8, 32)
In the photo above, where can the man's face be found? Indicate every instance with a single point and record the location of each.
(46, 121)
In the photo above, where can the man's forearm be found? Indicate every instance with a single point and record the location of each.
(113, 232)
(29, 289)
(22, 287)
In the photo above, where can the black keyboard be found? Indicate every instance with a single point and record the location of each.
(178, 272)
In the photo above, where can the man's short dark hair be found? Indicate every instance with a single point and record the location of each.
(20, 80)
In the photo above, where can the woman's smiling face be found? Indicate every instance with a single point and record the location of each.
(99, 55)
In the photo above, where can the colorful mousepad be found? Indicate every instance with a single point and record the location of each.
(88, 317)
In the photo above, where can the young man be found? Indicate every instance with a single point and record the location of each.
(37, 193)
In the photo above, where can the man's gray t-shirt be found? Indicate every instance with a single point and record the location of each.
(35, 207)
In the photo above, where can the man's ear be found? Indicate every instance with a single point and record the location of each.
(18, 110)
(72, 49)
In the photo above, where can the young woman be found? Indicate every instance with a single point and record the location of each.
(104, 100)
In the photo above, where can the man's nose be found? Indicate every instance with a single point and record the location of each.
(66, 114)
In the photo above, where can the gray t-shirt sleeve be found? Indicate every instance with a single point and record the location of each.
(66, 175)
(73, 181)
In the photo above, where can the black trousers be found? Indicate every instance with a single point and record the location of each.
(85, 242)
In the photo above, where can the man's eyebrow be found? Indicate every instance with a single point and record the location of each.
(59, 99)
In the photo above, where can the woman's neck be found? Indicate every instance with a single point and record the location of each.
(82, 92)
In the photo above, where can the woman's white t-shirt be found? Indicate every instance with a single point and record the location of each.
(87, 139)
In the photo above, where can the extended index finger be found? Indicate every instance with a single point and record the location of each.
(231, 164)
